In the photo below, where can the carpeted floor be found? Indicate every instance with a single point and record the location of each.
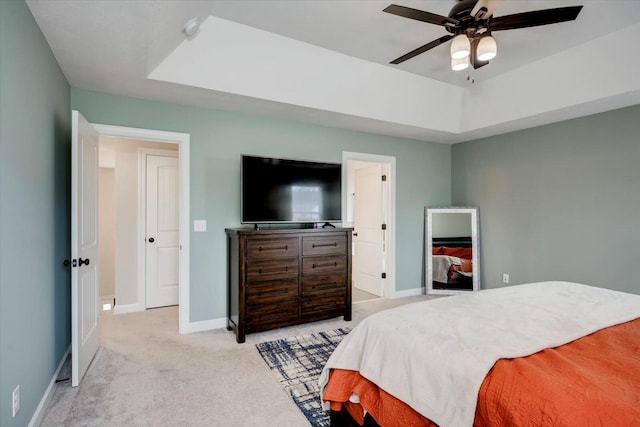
(146, 374)
(297, 363)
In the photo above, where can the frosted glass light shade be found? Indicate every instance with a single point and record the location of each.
(460, 47)
(487, 48)
(459, 64)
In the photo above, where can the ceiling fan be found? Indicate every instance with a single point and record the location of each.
(470, 24)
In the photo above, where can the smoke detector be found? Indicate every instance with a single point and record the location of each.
(191, 27)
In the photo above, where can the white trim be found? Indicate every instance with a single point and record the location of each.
(38, 414)
(390, 162)
(183, 140)
(365, 300)
(142, 217)
(205, 325)
(128, 308)
(408, 293)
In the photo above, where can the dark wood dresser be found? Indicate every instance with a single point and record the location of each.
(284, 277)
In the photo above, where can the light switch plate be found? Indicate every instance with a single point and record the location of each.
(200, 225)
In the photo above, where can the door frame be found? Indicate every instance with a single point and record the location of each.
(389, 167)
(142, 216)
(183, 141)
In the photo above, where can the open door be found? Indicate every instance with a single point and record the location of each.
(369, 234)
(84, 245)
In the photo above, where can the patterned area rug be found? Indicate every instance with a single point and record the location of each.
(297, 363)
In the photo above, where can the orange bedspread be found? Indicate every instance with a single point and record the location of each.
(592, 381)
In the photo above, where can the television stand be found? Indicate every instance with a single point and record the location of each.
(328, 225)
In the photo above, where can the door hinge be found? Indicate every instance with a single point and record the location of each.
(384, 275)
(384, 177)
(384, 226)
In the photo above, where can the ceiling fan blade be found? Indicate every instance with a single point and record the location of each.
(421, 15)
(534, 18)
(422, 49)
(484, 9)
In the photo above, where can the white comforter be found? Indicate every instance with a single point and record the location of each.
(441, 264)
(434, 355)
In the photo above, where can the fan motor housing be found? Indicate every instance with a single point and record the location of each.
(469, 25)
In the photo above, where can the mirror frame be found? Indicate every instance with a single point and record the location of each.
(475, 246)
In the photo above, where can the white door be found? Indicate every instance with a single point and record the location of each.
(162, 231)
(368, 237)
(84, 245)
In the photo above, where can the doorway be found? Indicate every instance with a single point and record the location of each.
(138, 203)
(136, 146)
(85, 234)
(369, 207)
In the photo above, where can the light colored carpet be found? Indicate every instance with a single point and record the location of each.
(146, 374)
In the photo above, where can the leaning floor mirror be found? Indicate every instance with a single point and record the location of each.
(451, 250)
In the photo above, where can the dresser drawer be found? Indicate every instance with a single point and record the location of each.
(312, 306)
(269, 269)
(321, 245)
(271, 292)
(324, 285)
(327, 265)
(273, 248)
(265, 316)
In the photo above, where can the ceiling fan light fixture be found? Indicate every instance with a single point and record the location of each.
(487, 48)
(459, 64)
(460, 47)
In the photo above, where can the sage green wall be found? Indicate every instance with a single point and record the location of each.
(35, 149)
(217, 141)
(557, 202)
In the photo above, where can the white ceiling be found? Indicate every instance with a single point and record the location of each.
(327, 62)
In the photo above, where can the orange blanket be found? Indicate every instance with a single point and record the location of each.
(594, 380)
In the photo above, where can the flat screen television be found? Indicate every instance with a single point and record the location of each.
(290, 191)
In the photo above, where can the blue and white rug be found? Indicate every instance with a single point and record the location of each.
(297, 363)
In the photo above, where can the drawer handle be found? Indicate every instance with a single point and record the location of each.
(273, 270)
(314, 265)
(276, 248)
(277, 291)
(320, 245)
(324, 285)
(325, 306)
(277, 314)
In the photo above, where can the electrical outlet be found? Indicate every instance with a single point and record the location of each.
(505, 278)
(16, 400)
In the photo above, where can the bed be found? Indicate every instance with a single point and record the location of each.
(452, 264)
(550, 353)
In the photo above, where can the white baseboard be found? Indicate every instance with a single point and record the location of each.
(408, 293)
(204, 325)
(38, 415)
(127, 308)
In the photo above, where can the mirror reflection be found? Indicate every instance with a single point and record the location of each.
(451, 250)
